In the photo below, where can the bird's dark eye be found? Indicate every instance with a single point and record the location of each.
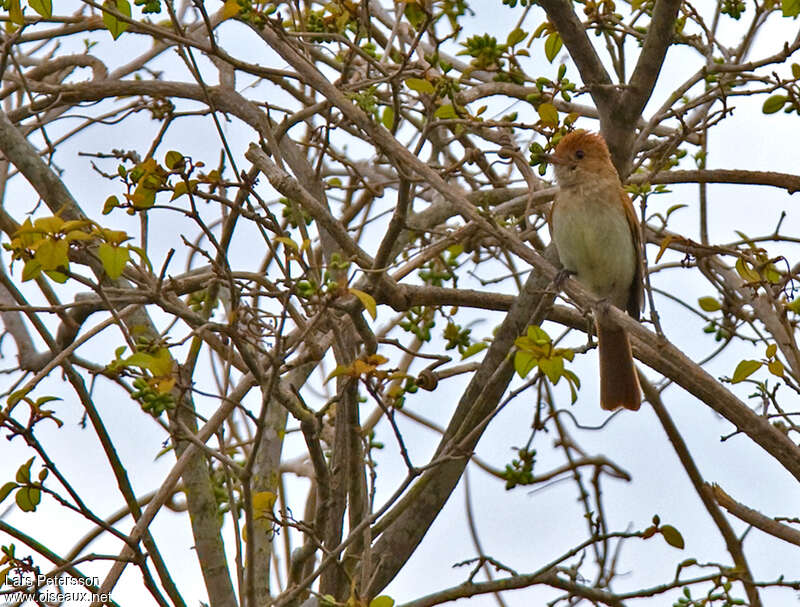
(579, 154)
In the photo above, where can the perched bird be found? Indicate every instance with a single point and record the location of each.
(598, 238)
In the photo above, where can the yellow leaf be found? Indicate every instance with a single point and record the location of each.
(361, 367)
(113, 237)
(664, 245)
(553, 368)
(772, 349)
(77, 235)
(288, 243)
(31, 270)
(746, 272)
(161, 365)
(52, 254)
(263, 501)
(231, 8)
(420, 85)
(15, 13)
(524, 363)
(446, 111)
(181, 188)
(339, 370)
(113, 258)
(143, 197)
(744, 370)
(709, 304)
(164, 385)
(548, 114)
(367, 301)
(49, 225)
(382, 601)
(775, 367)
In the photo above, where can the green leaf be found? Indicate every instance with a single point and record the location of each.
(339, 370)
(549, 114)
(142, 256)
(744, 370)
(181, 188)
(538, 335)
(161, 365)
(388, 117)
(143, 197)
(288, 243)
(445, 111)
(774, 103)
(46, 399)
(478, 346)
(15, 397)
(77, 235)
(420, 85)
(524, 362)
(6, 489)
(709, 304)
(553, 368)
(552, 45)
(516, 36)
(382, 601)
(796, 70)
(28, 498)
(790, 8)
(674, 208)
(31, 270)
(113, 259)
(367, 301)
(112, 202)
(672, 536)
(574, 384)
(24, 471)
(43, 7)
(57, 276)
(140, 252)
(746, 272)
(114, 25)
(52, 254)
(173, 160)
(15, 13)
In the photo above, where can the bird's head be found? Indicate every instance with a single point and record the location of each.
(581, 157)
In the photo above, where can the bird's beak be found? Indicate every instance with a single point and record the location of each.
(553, 159)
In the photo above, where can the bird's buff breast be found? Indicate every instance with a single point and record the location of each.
(593, 239)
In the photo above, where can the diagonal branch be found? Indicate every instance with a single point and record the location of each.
(732, 542)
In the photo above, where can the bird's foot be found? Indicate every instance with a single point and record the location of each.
(562, 276)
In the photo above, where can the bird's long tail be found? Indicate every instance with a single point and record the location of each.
(619, 385)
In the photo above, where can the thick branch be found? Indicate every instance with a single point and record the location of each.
(753, 517)
(659, 36)
(787, 181)
(591, 69)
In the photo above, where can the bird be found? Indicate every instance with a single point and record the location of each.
(598, 239)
